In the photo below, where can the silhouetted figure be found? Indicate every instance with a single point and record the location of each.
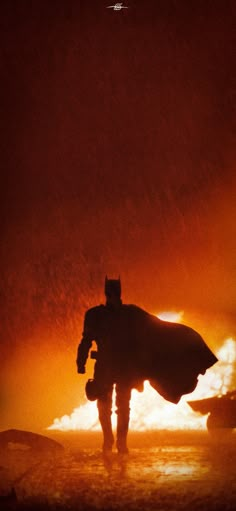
(107, 325)
(133, 346)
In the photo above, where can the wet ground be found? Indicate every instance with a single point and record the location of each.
(163, 471)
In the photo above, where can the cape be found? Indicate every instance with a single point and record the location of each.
(142, 347)
(170, 355)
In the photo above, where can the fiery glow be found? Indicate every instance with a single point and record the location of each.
(173, 317)
(149, 411)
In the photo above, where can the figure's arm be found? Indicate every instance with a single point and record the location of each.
(84, 346)
(82, 354)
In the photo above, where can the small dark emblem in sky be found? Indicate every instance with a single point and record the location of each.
(117, 7)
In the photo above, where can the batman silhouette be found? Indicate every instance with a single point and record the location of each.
(134, 346)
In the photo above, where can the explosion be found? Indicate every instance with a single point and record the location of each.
(149, 411)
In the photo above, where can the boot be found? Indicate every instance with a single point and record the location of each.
(122, 432)
(108, 442)
(104, 412)
(108, 438)
(123, 394)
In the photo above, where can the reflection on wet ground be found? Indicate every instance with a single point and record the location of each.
(190, 473)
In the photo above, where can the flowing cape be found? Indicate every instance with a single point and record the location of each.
(134, 346)
(170, 355)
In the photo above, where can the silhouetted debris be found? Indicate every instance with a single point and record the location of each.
(26, 440)
(221, 410)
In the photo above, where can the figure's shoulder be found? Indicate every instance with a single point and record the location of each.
(134, 309)
(94, 312)
(130, 306)
(96, 308)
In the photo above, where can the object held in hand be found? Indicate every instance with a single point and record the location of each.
(81, 369)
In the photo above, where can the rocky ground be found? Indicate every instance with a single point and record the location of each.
(163, 471)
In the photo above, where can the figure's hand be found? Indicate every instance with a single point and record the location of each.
(81, 370)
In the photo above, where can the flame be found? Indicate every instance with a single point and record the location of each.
(173, 317)
(149, 411)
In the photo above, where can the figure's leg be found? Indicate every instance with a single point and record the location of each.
(104, 405)
(123, 395)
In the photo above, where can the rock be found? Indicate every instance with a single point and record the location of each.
(15, 439)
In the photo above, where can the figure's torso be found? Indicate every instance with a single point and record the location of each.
(114, 333)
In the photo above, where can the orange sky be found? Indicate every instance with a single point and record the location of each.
(120, 160)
